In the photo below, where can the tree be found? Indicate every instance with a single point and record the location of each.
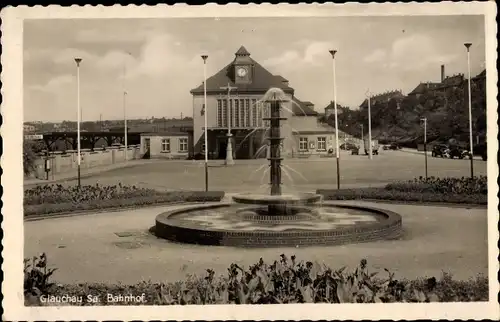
(30, 151)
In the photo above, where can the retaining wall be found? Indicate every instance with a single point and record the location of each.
(64, 162)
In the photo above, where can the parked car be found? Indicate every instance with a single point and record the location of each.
(374, 147)
(440, 150)
(348, 146)
(458, 152)
(481, 150)
(198, 156)
(394, 146)
(355, 150)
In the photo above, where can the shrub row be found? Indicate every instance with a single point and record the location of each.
(122, 202)
(395, 195)
(458, 186)
(56, 193)
(284, 281)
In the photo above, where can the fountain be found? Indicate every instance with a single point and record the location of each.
(276, 219)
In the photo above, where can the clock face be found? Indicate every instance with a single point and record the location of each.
(242, 72)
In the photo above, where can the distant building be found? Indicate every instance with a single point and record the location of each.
(250, 81)
(166, 145)
(382, 99)
(480, 81)
(29, 128)
(330, 110)
(446, 82)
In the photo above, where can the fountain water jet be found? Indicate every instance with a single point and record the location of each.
(277, 204)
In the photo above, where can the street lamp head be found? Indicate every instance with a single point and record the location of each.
(204, 57)
(332, 52)
(78, 61)
(467, 45)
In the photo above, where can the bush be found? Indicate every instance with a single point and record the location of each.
(459, 186)
(284, 281)
(403, 196)
(30, 150)
(56, 193)
(56, 199)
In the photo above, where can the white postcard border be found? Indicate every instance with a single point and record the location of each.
(11, 130)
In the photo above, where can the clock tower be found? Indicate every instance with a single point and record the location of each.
(243, 67)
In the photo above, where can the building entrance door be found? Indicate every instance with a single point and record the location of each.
(147, 148)
(222, 145)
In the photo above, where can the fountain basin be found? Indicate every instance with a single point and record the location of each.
(283, 199)
(230, 225)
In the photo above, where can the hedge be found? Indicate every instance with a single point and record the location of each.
(157, 199)
(394, 195)
(459, 186)
(284, 281)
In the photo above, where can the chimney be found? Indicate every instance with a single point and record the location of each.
(442, 73)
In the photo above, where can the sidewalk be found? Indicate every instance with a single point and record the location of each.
(414, 151)
(87, 172)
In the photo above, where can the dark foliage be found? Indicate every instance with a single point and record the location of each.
(55, 199)
(284, 281)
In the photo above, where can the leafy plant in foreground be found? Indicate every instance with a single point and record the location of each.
(288, 281)
(36, 278)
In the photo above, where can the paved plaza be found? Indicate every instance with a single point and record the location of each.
(89, 248)
(298, 174)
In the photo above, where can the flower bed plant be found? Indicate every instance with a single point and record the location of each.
(56, 199)
(401, 196)
(56, 193)
(284, 281)
(439, 190)
(459, 186)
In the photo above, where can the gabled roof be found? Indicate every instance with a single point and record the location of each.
(281, 78)
(242, 51)
(382, 98)
(300, 108)
(422, 87)
(331, 106)
(262, 79)
(481, 74)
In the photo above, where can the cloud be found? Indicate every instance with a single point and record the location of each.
(288, 57)
(160, 68)
(410, 53)
(314, 54)
(97, 35)
(165, 62)
(67, 56)
(116, 60)
(54, 84)
(417, 51)
(376, 56)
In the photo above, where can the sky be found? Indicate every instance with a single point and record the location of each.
(158, 61)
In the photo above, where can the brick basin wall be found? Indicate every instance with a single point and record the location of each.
(389, 227)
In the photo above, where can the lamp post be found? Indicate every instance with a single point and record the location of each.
(369, 125)
(362, 135)
(229, 150)
(204, 57)
(425, 143)
(125, 123)
(125, 110)
(79, 111)
(467, 45)
(337, 153)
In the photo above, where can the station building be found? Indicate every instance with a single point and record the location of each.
(249, 81)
